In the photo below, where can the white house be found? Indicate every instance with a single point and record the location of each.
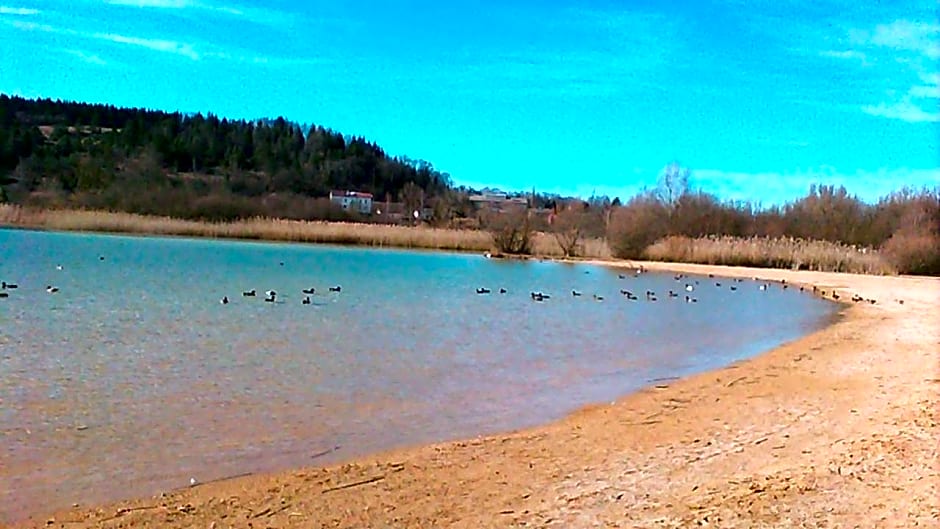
(352, 201)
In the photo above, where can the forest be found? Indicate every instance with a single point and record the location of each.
(58, 154)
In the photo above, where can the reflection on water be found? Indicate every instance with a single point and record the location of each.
(134, 377)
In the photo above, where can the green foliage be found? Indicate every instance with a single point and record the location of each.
(84, 150)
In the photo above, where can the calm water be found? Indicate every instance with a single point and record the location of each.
(133, 377)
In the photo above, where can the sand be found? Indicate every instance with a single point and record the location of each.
(837, 429)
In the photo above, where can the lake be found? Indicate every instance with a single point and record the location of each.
(133, 377)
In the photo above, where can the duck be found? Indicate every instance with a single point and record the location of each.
(4, 285)
(337, 288)
(51, 289)
(733, 288)
(272, 297)
(271, 293)
(673, 294)
(621, 276)
(482, 290)
(4, 294)
(689, 299)
(224, 300)
(306, 300)
(502, 291)
(310, 291)
(249, 293)
(575, 293)
(762, 287)
(598, 298)
(689, 288)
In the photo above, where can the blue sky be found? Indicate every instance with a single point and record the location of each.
(759, 98)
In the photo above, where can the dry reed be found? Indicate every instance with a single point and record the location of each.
(766, 252)
(378, 235)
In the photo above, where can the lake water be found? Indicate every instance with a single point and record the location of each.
(133, 377)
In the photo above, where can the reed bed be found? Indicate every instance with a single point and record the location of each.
(378, 235)
(545, 244)
(764, 252)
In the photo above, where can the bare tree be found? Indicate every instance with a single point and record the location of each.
(511, 231)
(568, 227)
(412, 196)
(673, 185)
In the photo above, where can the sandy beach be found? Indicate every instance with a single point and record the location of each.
(837, 429)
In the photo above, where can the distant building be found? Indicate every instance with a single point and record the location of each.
(352, 201)
(497, 201)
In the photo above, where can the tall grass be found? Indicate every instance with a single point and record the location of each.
(766, 252)
(379, 235)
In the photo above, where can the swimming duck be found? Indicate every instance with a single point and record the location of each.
(575, 293)
(224, 300)
(51, 289)
(689, 288)
(310, 290)
(4, 295)
(272, 297)
(249, 293)
(306, 300)
(5, 285)
(502, 290)
(337, 288)
(598, 298)
(482, 290)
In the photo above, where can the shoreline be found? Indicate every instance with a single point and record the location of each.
(807, 428)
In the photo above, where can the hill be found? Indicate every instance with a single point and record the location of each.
(61, 153)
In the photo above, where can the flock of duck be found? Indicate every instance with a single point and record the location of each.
(270, 296)
(689, 287)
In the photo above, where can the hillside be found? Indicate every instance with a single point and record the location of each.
(59, 153)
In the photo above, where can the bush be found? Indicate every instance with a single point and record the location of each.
(511, 232)
(633, 227)
(914, 252)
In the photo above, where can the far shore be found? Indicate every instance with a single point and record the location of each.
(838, 428)
(279, 230)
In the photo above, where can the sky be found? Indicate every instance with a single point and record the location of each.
(759, 98)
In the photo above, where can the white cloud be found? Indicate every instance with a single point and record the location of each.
(919, 37)
(786, 186)
(161, 4)
(926, 91)
(846, 54)
(254, 14)
(165, 46)
(18, 11)
(905, 110)
(905, 52)
(90, 58)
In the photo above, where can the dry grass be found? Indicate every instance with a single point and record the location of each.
(378, 235)
(546, 244)
(763, 252)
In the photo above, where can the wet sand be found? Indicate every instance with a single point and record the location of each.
(838, 429)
